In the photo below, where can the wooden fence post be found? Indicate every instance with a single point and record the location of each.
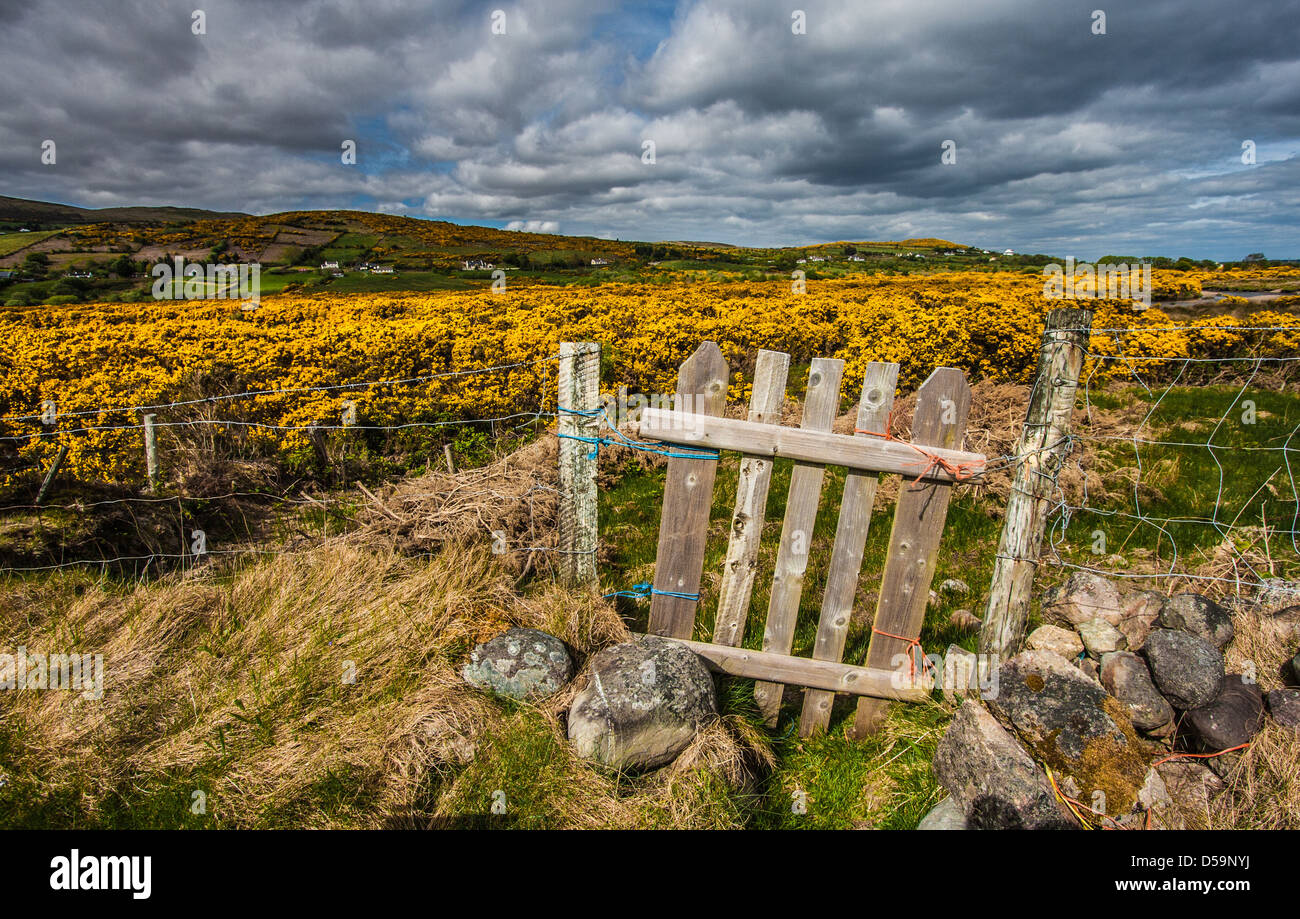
(151, 451)
(577, 418)
(1041, 450)
(49, 475)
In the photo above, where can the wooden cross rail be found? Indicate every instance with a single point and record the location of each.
(930, 465)
(830, 676)
(869, 454)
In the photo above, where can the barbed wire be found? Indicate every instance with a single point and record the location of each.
(281, 428)
(286, 390)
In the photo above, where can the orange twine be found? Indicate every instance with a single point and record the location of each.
(960, 472)
(913, 646)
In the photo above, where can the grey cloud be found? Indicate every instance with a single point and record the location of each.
(1066, 140)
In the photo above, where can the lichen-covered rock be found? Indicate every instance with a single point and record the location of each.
(1126, 677)
(1072, 725)
(1284, 706)
(1234, 717)
(1186, 668)
(1100, 637)
(644, 702)
(520, 664)
(991, 778)
(954, 586)
(1198, 615)
(946, 815)
(1065, 642)
(1140, 614)
(1082, 597)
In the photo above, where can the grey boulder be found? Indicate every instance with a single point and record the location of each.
(1100, 637)
(1140, 615)
(1234, 717)
(1198, 615)
(644, 702)
(1126, 677)
(520, 664)
(1186, 668)
(1082, 597)
(946, 815)
(1284, 706)
(1065, 642)
(991, 779)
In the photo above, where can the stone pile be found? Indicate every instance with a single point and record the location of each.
(1092, 701)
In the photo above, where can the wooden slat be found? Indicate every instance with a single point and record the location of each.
(943, 403)
(803, 671)
(688, 498)
(820, 406)
(850, 540)
(738, 571)
(868, 454)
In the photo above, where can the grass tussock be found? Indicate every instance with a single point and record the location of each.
(1263, 782)
(321, 689)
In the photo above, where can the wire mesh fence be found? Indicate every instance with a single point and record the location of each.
(1183, 470)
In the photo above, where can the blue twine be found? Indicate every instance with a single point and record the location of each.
(641, 591)
(624, 440)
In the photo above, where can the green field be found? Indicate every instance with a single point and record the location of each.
(12, 242)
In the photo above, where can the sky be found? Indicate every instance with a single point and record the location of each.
(1066, 132)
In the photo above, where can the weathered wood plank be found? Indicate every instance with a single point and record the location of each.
(579, 390)
(943, 403)
(850, 539)
(1042, 448)
(804, 671)
(770, 371)
(688, 498)
(820, 406)
(868, 454)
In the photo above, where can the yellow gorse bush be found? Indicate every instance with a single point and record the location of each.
(88, 358)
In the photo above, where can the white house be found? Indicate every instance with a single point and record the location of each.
(599, 261)
(1008, 252)
(475, 264)
(329, 266)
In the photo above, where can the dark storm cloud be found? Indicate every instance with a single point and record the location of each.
(1067, 141)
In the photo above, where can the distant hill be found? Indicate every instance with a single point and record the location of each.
(46, 214)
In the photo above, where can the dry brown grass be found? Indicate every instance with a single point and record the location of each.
(516, 496)
(237, 689)
(1264, 780)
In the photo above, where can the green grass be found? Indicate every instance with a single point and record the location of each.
(12, 242)
(1185, 490)
(824, 782)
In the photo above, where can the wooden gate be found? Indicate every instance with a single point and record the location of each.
(930, 464)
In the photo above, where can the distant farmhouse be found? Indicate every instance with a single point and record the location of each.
(79, 273)
(599, 261)
(475, 264)
(381, 269)
(1008, 252)
(329, 266)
